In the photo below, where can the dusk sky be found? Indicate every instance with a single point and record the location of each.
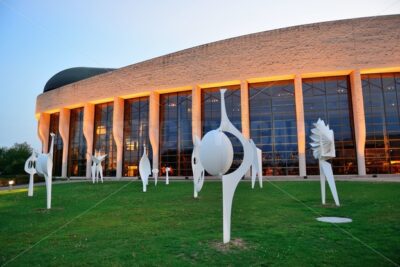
(40, 38)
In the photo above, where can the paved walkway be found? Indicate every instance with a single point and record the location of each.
(386, 178)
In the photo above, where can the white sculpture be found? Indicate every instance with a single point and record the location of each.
(144, 169)
(167, 170)
(197, 168)
(155, 176)
(216, 155)
(30, 167)
(97, 168)
(44, 168)
(323, 146)
(256, 166)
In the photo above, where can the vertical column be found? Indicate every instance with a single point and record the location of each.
(88, 130)
(118, 132)
(244, 102)
(64, 133)
(301, 133)
(154, 126)
(196, 112)
(43, 131)
(359, 119)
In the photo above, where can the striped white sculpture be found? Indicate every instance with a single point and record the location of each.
(197, 168)
(97, 168)
(144, 169)
(30, 167)
(323, 146)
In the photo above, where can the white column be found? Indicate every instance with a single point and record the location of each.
(154, 126)
(64, 133)
(43, 131)
(118, 132)
(359, 119)
(301, 135)
(88, 130)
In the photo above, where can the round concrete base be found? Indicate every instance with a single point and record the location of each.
(334, 219)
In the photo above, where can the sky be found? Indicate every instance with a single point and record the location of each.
(39, 38)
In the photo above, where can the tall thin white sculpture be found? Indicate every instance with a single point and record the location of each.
(97, 168)
(216, 155)
(155, 176)
(30, 167)
(144, 169)
(323, 146)
(256, 165)
(197, 168)
(44, 168)
(167, 170)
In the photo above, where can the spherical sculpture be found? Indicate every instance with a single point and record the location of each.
(216, 152)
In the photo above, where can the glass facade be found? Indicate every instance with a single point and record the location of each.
(382, 120)
(329, 98)
(77, 144)
(58, 144)
(103, 137)
(211, 116)
(136, 134)
(273, 126)
(176, 143)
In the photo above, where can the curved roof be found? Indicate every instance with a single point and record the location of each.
(72, 75)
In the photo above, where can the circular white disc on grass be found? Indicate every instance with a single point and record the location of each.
(334, 219)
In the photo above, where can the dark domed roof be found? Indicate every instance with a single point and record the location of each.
(72, 75)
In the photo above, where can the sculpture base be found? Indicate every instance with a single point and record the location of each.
(334, 220)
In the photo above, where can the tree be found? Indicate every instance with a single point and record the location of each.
(12, 160)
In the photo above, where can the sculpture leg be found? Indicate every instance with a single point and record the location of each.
(228, 189)
(322, 180)
(30, 188)
(93, 173)
(259, 157)
(167, 179)
(155, 179)
(253, 176)
(48, 179)
(144, 183)
(195, 193)
(327, 167)
(101, 174)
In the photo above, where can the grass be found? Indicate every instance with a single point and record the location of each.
(167, 227)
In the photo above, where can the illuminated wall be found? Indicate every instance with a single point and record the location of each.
(382, 118)
(330, 99)
(136, 134)
(103, 137)
(58, 144)
(211, 115)
(176, 133)
(273, 126)
(77, 144)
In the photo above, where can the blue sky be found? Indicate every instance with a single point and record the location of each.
(39, 38)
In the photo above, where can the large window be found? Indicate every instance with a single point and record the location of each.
(103, 136)
(176, 133)
(77, 144)
(330, 99)
(136, 134)
(382, 118)
(211, 116)
(273, 126)
(58, 144)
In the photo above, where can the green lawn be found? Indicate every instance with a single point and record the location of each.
(167, 227)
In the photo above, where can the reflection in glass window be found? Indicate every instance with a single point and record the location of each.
(77, 144)
(211, 116)
(136, 134)
(382, 120)
(176, 143)
(103, 137)
(58, 144)
(330, 99)
(273, 126)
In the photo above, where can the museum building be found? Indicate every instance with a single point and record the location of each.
(279, 83)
